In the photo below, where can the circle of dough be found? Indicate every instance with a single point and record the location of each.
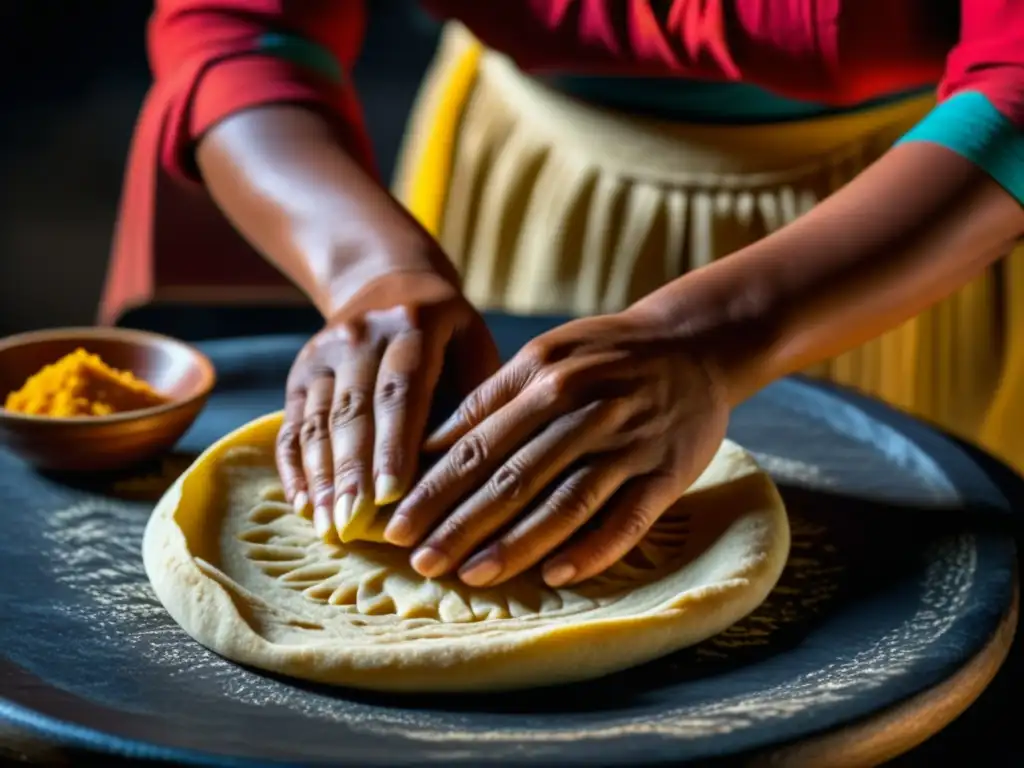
(248, 578)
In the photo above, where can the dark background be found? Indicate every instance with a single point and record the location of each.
(75, 74)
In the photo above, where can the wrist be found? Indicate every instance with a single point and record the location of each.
(400, 287)
(357, 260)
(724, 319)
(345, 287)
(288, 184)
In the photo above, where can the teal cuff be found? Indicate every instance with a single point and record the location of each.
(303, 52)
(969, 125)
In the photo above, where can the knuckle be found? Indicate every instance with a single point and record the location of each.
(532, 355)
(349, 332)
(425, 491)
(309, 363)
(389, 458)
(392, 391)
(554, 385)
(321, 483)
(507, 483)
(471, 410)
(347, 468)
(468, 454)
(396, 318)
(295, 393)
(453, 531)
(574, 502)
(314, 427)
(634, 524)
(536, 354)
(349, 405)
(288, 437)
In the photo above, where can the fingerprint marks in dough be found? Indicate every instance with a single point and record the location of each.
(250, 580)
(375, 580)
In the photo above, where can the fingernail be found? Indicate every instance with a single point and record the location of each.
(429, 562)
(322, 521)
(558, 574)
(343, 511)
(480, 571)
(386, 490)
(398, 531)
(300, 502)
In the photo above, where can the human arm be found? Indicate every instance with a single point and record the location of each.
(909, 231)
(917, 225)
(933, 212)
(265, 117)
(628, 409)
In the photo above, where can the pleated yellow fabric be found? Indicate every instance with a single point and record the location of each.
(550, 205)
(424, 165)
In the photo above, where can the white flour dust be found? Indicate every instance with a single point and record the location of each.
(96, 551)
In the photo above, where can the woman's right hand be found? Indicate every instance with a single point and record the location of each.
(359, 393)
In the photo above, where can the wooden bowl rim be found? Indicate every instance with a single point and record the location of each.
(206, 368)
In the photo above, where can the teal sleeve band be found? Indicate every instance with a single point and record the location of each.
(969, 125)
(303, 52)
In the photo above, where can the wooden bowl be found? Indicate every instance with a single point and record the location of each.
(93, 443)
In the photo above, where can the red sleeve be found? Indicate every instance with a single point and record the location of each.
(171, 242)
(207, 64)
(990, 56)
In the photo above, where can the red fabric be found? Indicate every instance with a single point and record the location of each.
(830, 51)
(989, 56)
(169, 233)
(216, 40)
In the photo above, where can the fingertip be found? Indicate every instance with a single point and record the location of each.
(300, 503)
(322, 522)
(558, 573)
(387, 489)
(430, 563)
(343, 512)
(399, 531)
(481, 570)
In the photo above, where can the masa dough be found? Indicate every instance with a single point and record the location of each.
(246, 577)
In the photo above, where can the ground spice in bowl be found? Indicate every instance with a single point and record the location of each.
(81, 384)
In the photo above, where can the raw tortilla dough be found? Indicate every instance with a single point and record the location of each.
(247, 578)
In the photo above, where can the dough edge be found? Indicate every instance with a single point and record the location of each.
(206, 610)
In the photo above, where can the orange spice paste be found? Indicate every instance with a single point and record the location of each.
(81, 384)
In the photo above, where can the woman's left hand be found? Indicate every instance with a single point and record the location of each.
(607, 416)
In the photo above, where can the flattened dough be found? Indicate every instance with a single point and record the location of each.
(247, 578)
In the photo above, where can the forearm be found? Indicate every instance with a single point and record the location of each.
(286, 182)
(910, 230)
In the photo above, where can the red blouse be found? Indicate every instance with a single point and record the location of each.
(208, 63)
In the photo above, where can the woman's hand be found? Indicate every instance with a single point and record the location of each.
(359, 394)
(606, 420)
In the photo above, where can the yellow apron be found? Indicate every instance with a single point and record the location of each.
(550, 205)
